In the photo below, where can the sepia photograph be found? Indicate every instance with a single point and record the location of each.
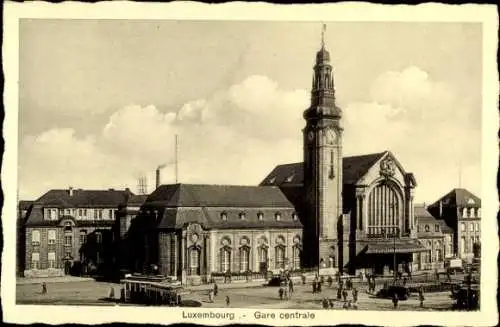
(196, 165)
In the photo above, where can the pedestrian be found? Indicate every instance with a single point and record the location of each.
(330, 302)
(211, 296)
(216, 289)
(349, 283)
(421, 297)
(448, 276)
(409, 273)
(325, 303)
(345, 306)
(179, 299)
(344, 295)
(355, 294)
(290, 287)
(111, 294)
(303, 277)
(437, 274)
(339, 293)
(395, 299)
(314, 286)
(227, 300)
(285, 290)
(280, 293)
(122, 294)
(330, 281)
(318, 287)
(44, 288)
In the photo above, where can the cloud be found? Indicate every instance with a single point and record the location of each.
(238, 134)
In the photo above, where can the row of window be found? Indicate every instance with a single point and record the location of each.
(260, 216)
(471, 212)
(472, 227)
(427, 228)
(97, 214)
(431, 256)
(35, 260)
(68, 238)
(468, 247)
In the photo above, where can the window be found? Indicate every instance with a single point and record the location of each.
(464, 212)
(477, 227)
(52, 236)
(194, 261)
(470, 212)
(244, 257)
(98, 238)
(462, 227)
(225, 260)
(439, 255)
(263, 258)
(85, 213)
(471, 227)
(52, 259)
(80, 212)
(296, 257)
(462, 245)
(427, 228)
(95, 213)
(83, 236)
(68, 240)
(111, 214)
(67, 226)
(35, 237)
(53, 214)
(436, 228)
(280, 257)
(295, 216)
(67, 253)
(260, 216)
(223, 216)
(35, 260)
(479, 212)
(99, 214)
(242, 215)
(278, 216)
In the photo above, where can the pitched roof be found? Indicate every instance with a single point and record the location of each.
(83, 198)
(137, 200)
(458, 197)
(79, 199)
(212, 218)
(354, 168)
(202, 195)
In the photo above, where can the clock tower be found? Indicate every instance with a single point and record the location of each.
(323, 166)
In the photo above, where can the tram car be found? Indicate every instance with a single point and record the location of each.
(151, 291)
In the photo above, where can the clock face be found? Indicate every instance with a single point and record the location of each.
(330, 136)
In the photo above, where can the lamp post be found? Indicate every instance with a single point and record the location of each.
(395, 234)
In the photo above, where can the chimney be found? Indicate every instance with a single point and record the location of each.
(70, 191)
(157, 177)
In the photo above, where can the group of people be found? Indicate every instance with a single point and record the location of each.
(212, 294)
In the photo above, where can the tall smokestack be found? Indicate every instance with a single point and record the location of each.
(158, 179)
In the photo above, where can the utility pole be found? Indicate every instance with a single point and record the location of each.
(176, 158)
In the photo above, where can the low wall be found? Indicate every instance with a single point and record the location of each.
(35, 273)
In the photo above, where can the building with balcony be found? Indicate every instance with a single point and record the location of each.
(436, 237)
(69, 231)
(461, 211)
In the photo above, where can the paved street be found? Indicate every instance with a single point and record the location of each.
(90, 292)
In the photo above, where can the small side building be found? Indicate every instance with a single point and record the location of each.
(194, 232)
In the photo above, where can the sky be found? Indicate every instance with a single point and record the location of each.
(101, 101)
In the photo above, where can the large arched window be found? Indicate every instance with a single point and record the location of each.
(194, 260)
(384, 210)
(225, 255)
(280, 257)
(244, 258)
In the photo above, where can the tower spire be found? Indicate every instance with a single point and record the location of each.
(323, 30)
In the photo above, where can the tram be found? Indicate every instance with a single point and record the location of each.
(151, 291)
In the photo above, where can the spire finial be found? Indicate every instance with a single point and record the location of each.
(323, 36)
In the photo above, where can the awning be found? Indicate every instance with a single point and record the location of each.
(399, 247)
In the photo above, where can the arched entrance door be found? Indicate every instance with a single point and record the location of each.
(67, 267)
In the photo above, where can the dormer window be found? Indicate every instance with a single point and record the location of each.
(272, 180)
(464, 213)
(260, 216)
(223, 216)
(479, 212)
(277, 215)
(289, 179)
(295, 216)
(242, 215)
(436, 228)
(427, 228)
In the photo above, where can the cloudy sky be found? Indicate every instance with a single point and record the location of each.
(101, 101)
